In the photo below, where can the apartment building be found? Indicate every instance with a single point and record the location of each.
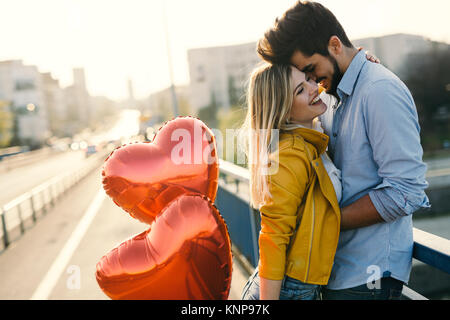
(22, 86)
(220, 73)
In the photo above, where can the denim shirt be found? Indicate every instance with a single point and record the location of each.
(375, 142)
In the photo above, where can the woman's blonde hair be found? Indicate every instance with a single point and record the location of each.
(269, 102)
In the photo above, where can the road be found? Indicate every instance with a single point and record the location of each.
(17, 181)
(25, 264)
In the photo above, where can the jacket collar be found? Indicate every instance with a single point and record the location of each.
(317, 139)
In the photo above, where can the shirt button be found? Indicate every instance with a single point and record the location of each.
(335, 134)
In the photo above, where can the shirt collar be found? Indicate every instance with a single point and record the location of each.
(348, 81)
(316, 125)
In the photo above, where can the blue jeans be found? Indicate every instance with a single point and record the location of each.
(389, 289)
(291, 289)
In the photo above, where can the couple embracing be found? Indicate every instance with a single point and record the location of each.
(336, 213)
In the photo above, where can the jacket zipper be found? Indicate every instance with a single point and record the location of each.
(313, 218)
(311, 240)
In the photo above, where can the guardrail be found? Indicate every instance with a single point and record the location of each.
(11, 151)
(25, 158)
(244, 225)
(16, 215)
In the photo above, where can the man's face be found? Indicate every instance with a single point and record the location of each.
(323, 70)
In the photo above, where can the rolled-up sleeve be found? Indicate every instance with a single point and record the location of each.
(279, 215)
(393, 130)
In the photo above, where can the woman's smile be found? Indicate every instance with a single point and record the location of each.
(307, 103)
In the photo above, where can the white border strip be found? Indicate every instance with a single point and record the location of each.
(47, 284)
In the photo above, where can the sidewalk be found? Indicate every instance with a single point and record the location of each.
(238, 280)
(239, 277)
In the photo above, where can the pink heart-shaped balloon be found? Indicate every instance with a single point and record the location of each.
(143, 178)
(186, 254)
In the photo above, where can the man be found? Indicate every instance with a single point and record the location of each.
(374, 141)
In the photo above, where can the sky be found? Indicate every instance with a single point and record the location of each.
(117, 40)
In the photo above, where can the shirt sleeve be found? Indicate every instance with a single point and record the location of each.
(279, 215)
(393, 130)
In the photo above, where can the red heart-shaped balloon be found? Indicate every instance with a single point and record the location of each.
(186, 254)
(171, 184)
(143, 178)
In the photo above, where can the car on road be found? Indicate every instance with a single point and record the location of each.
(90, 150)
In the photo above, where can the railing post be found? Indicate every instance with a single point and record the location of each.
(53, 191)
(19, 212)
(50, 194)
(5, 230)
(254, 238)
(59, 188)
(65, 185)
(44, 206)
(33, 210)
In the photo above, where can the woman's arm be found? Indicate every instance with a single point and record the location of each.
(269, 289)
(279, 218)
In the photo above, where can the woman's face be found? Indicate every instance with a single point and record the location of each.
(306, 105)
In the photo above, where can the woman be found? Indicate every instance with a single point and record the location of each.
(298, 202)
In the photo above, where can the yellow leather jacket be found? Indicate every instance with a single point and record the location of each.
(300, 225)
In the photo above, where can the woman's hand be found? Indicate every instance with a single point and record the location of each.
(269, 289)
(370, 56)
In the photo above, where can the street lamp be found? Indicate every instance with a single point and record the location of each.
(31, 107)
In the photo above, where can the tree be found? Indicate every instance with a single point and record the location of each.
(232, 120)
(184, 106)
(235, 94)
(208, 114)
(6, 124)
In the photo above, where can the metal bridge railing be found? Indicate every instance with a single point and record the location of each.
(18, 214)
(244, 225)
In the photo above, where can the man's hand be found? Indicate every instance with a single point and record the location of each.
(361, 213)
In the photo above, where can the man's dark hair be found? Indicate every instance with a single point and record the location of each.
(307, 27)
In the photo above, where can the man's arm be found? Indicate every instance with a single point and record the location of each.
(393, 130)
(359, 214)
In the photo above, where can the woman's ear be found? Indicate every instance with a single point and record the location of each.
(335, 46)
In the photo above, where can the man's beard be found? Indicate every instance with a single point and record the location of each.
(336, 79)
